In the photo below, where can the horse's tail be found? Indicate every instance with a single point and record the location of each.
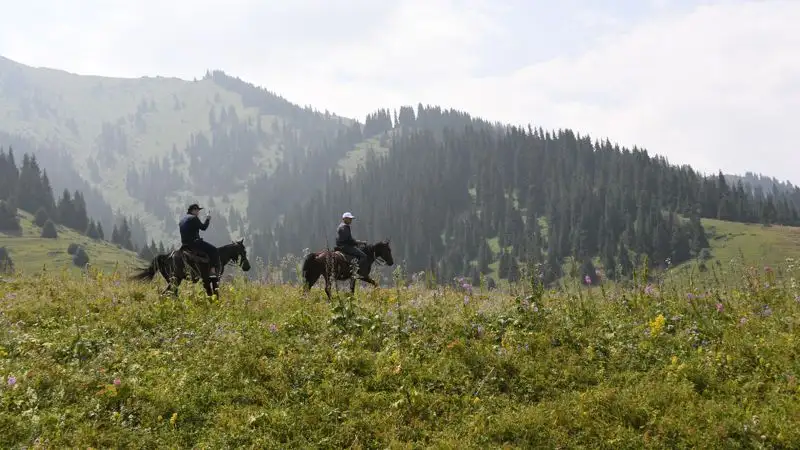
(149, 272)
(307, 266)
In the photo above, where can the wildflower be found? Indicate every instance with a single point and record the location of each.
(649, 289)
(767, 311)
(767, 269)
(797, 298)
(117, 381)
(273, 328)
(690, 296)
(743, 321)
(587, 279)
(466, 300)
(657, 325)
(720, 307)
(12, 380)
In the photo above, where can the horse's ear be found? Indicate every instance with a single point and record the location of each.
(240, 241)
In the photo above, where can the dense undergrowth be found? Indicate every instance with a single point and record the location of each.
(99, 362)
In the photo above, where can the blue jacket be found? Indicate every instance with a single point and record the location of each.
(190, 227)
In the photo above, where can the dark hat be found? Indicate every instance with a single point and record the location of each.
(193, 206)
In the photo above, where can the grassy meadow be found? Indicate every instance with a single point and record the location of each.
(100, 362)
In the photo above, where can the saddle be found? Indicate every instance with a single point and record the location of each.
(349, 258)
(193, 255)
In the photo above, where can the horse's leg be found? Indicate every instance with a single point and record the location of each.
(208, 283)
(328, 285)
(175, 284)
(352, 286)
(215, 285)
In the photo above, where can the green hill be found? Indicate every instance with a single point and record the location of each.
(753, 243)
(30, 252)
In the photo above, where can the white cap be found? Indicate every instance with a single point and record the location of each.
(348, 215)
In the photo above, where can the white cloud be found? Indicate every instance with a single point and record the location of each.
(716, 87)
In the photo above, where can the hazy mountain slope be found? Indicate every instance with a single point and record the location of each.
(192, 129)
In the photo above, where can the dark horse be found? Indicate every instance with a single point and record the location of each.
(335, 263)
(173, 266)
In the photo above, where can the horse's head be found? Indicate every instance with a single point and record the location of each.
(383, 251)
(240, 255)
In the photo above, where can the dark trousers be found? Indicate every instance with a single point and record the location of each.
(356, 252)
(210, 250)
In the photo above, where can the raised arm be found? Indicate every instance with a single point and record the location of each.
(202, 225)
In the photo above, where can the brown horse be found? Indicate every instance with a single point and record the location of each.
(336, 263)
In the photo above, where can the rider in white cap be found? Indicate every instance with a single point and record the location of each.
(345, 241)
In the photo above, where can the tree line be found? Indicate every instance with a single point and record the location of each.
(27, 187)
(461, 196)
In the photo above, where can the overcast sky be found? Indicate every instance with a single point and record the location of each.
(715, 84)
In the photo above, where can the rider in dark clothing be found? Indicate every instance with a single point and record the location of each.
(190, 226)
(345, 241)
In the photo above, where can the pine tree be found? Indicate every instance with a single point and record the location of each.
(49, 230)
(624, 263)
(124, 235)
(9, 222)
(41, 217)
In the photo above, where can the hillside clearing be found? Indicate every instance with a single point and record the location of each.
(31, 253)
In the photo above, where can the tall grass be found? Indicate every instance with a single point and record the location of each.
(100, 362)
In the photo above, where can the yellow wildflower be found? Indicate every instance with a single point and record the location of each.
(657, 325)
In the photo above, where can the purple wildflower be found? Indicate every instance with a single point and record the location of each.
(467, 287)
(273, 328)
(587, 279)
(12, 380)
(720, 307)
(117, 381)
(466, 300)
(690, 296)
(767, 269)
(649, 289)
